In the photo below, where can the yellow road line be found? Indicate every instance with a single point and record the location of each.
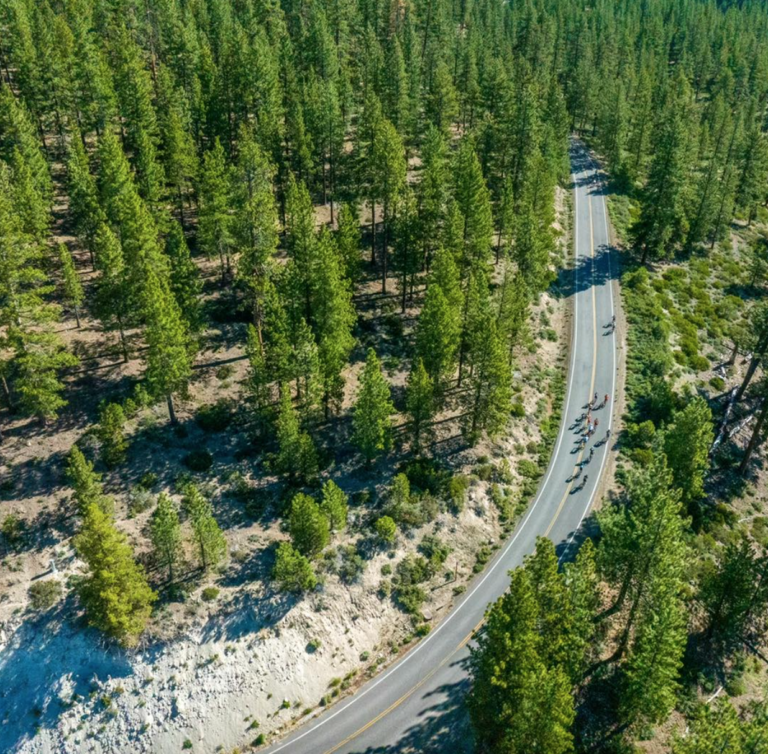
(469, 636)
(594, 360)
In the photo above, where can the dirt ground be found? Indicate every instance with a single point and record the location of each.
(219, 673)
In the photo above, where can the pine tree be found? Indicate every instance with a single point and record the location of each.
(115, 593)
(169, 357)
(113, 443)
(296, 454)
(86, 483)
(184, 277)
(259, 377)
(334, 318)
(517, 704)
(348, 242)
(84, 207)
(216, 220)
(474, 202)
(643, 555)
(111, 299)
(661, 215)
(206, 533)
(488, 400)
(373, 408)
(255, 224)
(334, 506)
(293, 572)
(437, 336)
(686, 444)
(390, 182)
(419, 402)
(432, 190)
(73, 289)
(653, 666)
(727, 592)
(165, 533)
(308, 525)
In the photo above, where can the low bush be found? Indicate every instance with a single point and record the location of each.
(214, 417)
(210, 593)
(198, 460)
(44, 594)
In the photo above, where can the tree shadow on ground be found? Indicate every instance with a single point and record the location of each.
(442, 726)
(41, 669)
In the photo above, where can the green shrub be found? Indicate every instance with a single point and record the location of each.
(352, 564)
(410, 598)
(517, 410)
(148, 480)
(717, 383)
(44, 594)
(459, 489)
(214, 417)
(386, 529)
(12, 530)
(528, 469)
(198, 460)
(434, 550)
(210, 593)
(187, 744)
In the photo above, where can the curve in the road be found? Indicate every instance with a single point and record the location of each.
(384, 715)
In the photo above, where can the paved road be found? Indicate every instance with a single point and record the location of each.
(414, 705)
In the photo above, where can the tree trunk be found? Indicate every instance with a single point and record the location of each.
(171, 411)
(384, 251)
(755, 437)
(747, 377)
(77, 316)
(734, 353)
(123, 343)
(7, 393)
(373, 231)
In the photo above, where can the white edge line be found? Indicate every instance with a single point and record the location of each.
(500, 557)
(613, 381)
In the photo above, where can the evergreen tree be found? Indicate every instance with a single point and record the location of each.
(293, 572)
(184, 277)
(255, 222)
(474, 202)
(334, 319)
(334, 506)
(488, 400)
(115, 593)
(296, 454)
(113, 443)
(308, 525)
(206, 533)
(662, 210)
(73, 289)
(348, 242)
(517, 704)
(165, 533)
(111, 303)
(419, 401)
(432, 190)
(437, 336)
(86, 483)
(215, 229)
(686, 445)
(169, 357)
(373, 408)
(390, 182)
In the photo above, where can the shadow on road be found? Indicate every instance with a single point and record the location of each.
(443, 724)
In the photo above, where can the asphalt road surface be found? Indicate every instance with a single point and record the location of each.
(416, 704)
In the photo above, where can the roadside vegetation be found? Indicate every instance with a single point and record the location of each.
(662, 645)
